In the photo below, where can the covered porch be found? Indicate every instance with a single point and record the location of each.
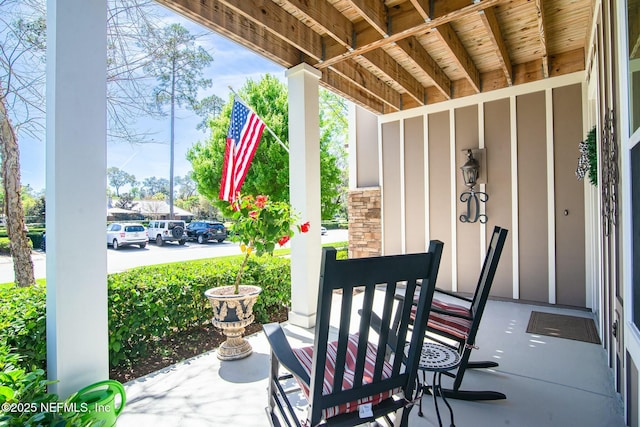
(522, 80)
(548, 382)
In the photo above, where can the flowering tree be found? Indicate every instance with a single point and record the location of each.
(260, 224)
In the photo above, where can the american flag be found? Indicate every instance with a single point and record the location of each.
(243, 137)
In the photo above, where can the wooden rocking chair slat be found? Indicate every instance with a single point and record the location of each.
(339, 375)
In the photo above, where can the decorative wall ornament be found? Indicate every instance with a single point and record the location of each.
(610, 175)
(588, 160)
(470, 173)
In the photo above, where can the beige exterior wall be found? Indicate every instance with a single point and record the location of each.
(440, 214)
(391, 189)
(414, 178)
(531, 150)
(364, 151)
(569, 197)
(497, 142)
(467, 234)
(532, 204)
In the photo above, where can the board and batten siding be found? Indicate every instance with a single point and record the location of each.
(530, 140)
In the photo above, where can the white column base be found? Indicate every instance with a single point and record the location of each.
(303, 320)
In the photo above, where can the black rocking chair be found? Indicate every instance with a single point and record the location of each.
(459, 322)
(354, 376)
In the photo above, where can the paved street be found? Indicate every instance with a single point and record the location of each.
(129, 257)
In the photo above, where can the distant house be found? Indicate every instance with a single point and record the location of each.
(159, 209)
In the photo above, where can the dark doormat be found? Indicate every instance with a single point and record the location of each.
(562, 326)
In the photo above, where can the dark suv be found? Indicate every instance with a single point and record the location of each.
(203, 231)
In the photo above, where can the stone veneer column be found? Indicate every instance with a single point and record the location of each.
(365, 223)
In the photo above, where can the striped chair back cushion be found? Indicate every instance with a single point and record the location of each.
(451, 325)
(305, 356)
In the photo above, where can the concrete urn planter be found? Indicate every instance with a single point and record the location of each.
(232, 313)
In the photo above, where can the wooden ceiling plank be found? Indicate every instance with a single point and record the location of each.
(281, 23)
(423, 8)
(326, 16)
(350, 90)
(449, 37)
(405, 25)
(374, 12)
(493, 29)
(362, 77)
(388, 66)
(543, 38)
(566, 62)
(414, 50)
(224, 21)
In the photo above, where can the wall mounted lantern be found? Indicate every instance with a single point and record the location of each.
(470, 173)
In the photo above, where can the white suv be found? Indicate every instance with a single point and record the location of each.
(167, 230)
(119, 234)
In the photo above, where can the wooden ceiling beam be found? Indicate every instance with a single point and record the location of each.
(543, 38)
(404, 25)
(324, 15)
(423, 7)
(451, 40)
(370, 83)
(493, 29)
(372, 11)
(224, 21)
(419, 56)
(350, 90)
(394, 71)
(282, 24)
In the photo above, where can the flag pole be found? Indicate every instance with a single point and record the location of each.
(265, 124)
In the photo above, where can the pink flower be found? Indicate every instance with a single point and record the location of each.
(305, 227)
(261, 201)
(253, 214)
(283, 240)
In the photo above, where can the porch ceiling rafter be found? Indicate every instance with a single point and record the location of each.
(390, 55)
(495, 35)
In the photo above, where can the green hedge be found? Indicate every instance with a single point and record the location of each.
(335, 224)
(35, 234)
(146, 304)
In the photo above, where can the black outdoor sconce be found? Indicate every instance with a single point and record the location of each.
(470, 173)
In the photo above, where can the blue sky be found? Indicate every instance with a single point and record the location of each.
(232, 65)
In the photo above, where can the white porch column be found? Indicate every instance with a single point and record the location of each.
(304, 187)
(77, 334)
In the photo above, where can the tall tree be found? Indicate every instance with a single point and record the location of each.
(333, 138)
(178, 64)
(22, 73)
(118, 178)
(22, 47)
(208, 108)
(187, 186)
(269, 171)
(152, 186)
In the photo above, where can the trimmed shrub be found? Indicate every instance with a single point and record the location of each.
(26, 394)
(146, 304)
(35, 234)
(23, 323)
(4, 245)
(173, 299)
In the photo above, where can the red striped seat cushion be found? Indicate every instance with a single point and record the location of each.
(451, 325)
(305, 356)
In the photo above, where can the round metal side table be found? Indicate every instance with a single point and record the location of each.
(437, 358)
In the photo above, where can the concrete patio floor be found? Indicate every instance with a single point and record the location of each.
(548, 382)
